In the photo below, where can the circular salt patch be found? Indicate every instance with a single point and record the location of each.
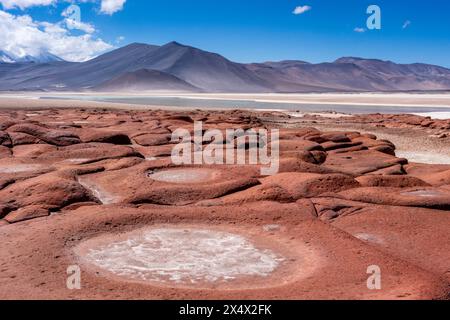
(183, 256)
(183, 175)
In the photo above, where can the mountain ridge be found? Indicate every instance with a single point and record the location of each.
(196, 69)
(42, 57)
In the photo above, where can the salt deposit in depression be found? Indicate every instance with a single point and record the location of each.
(182, 256)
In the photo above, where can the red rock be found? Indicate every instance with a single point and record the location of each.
(412, 234)
(290, 134)
(49, 190)
(370, 136)
(391, 181)
(105, 137)
(299, 145)
(19, 138)
(331, 208)
(420, 169)
(32, 150)
(6, 122)
(436, 179)
(321, 261)
(289, 187)
(329, 145)
(155, 151)
(298, 165)
(328, 210)
(411, 197)
(361, 162)
(349, 149)
(55, 137)
(393, 170)
(5, 152)
(337, 137)
(27, 213)
(303, 185)
(136, 185)
(153, 139)
(5, 139)
(93, 152)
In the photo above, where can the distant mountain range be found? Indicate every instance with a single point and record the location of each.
(140, 67)
(43, 57)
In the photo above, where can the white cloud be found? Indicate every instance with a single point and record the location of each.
(23, 4)
(21, 36)
(359, 30)
(406, 24)
(106, 7)
(74, 24)
(111, 6)
(301, 9)
(120, 39)
(73, 21)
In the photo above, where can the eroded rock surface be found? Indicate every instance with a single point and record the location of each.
(340, 202)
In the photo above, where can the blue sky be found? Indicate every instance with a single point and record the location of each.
(252, 31)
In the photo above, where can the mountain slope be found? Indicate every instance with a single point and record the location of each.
(205, 70)
(6, 57)
(189, 68)
(144, 80)
(353, 74)
(43, 57)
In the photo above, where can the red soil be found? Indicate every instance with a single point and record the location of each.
(341, 202)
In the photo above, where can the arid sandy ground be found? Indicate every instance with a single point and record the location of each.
(79, 180)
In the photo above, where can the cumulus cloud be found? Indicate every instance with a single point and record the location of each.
(301, 9)
(111, 6)
(21, 35)
(106, 6)
(23, 4)
(78, 25)
(359, 30)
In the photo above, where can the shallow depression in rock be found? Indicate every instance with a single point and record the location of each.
(182, 256)
(183, 175)
(18, 168)
(103, 196)
(424, 193)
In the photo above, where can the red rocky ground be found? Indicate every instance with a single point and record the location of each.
(342, 201)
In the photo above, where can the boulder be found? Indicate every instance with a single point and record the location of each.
(426, 197)
(5, 139)
(362, 162)
(391, 181)
(117, 138)
(91, 152)
(50, 136)
(27, 213)
(47, 190)
(153, 139)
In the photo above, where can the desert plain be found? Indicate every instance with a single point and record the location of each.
(90, 187)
